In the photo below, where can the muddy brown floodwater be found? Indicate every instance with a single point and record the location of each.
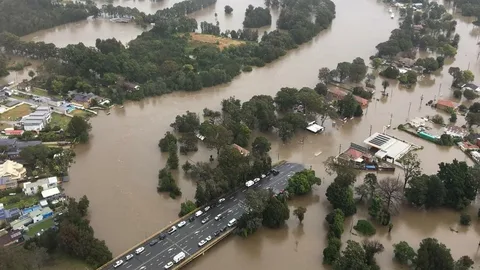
(118, 169)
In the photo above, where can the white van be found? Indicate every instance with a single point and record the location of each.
(180, 256)
(249, 183)
(232, 222)
(198, 213)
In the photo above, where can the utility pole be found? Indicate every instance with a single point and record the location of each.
(421, 100)
(340, 149)
(391, 116)
(409, 106)
(370, 131)
(439, 90)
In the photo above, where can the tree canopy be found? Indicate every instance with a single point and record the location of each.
(301, 182)
(256, 17)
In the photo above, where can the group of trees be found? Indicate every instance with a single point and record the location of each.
(26, 16)
(265, 208)
(160, 60)
(473, 116)
(3, 65)
(455, 185)
(257, 17)
(469, 8)
(74, 236)
(434, 35)
(430, 64)
(301, 182)
(44, 161)
(460, 77)
(430, 255)
(166, 182)
(78, 129)
(354, 72)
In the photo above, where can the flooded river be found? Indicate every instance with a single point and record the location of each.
(118, 169)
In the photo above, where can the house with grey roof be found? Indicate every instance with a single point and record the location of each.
(37, 120)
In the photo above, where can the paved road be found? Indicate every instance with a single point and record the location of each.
(186, 239)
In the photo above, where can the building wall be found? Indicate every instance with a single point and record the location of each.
(37, 127)
(37, 218)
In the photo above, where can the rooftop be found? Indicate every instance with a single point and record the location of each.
(240, 149)
(387, 146)
(340, 94)
(50, 192)
(446, 103)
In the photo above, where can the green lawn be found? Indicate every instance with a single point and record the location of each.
(39, 92)
(60, 120)
(44, 224)
(16, 113)
(81, 113)
(19, 200)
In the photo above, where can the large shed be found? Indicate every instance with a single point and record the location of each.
(387, 148)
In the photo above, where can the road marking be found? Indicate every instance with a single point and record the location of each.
(222, 207)
(189, 249)
(191, 226)
(129, 266)
(177, 235)
(235, 200)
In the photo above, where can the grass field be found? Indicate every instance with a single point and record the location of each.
(4, 126)
(60, 120)
(44, 224)
(221, 42)
(20, 200)
(39, 92)
(80, 113)
(16, 113)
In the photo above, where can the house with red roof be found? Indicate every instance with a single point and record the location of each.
(445, 104)
(339, 94)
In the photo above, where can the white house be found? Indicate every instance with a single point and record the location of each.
(40, 214)
(37, 120)
(31, 188)
(50, 192)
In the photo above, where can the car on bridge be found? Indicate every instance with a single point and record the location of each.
(181, 224)
(118, 263)
(221, 200)
(201, 243)
(218, 217)
(172, 230)
(153, 242)
(198, 213)
(139, 250)
(128, 257)
(205, 220)
(249, 183)
(168, 265)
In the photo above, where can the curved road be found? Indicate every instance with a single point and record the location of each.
(186, 239)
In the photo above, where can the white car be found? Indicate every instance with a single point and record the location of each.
(172, 230)
(249, 183)
(117, 263)
(206, 209)
(221, 200)
(128, 257)
(208, 238)
(139, 250)
(205, 220)
(256, 180)
(143, 268)
(198, 213)
(218, 217)
(181, 224)
(201, 243)
(263, 176)
(168, 265)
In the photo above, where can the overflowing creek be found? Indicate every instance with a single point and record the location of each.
(118, 169)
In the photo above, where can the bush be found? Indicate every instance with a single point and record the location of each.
(364, 227)
(247, 69)
(438, 119)
(404, 253)
(228, 9)
(453, 118)
(186, 208)
(469, 94)
(457, 93)
(390, 72)
(359, 91)
(465, 219)
(332, 251)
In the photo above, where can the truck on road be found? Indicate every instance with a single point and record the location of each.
(180, 256)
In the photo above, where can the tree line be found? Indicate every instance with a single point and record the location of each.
(257, 17)
(162, 60)
(21, 17)
(72, 236)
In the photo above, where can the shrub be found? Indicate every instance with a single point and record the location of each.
(453, 118)
(469, 94)
(364, 227)
(438, 119)
(186, 208)
(465, 219)
(332, 251)
(457, 93)
(228, 9)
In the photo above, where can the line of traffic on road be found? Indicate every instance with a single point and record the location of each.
(189, 235)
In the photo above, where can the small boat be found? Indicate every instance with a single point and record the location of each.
(108, 113)
(121, 107)
(390, 10)
(392, 16)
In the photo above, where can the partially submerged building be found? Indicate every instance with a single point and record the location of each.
(387, 148)
(314, 127)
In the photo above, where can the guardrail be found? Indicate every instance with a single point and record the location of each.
(146, 239)
(204, 249)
